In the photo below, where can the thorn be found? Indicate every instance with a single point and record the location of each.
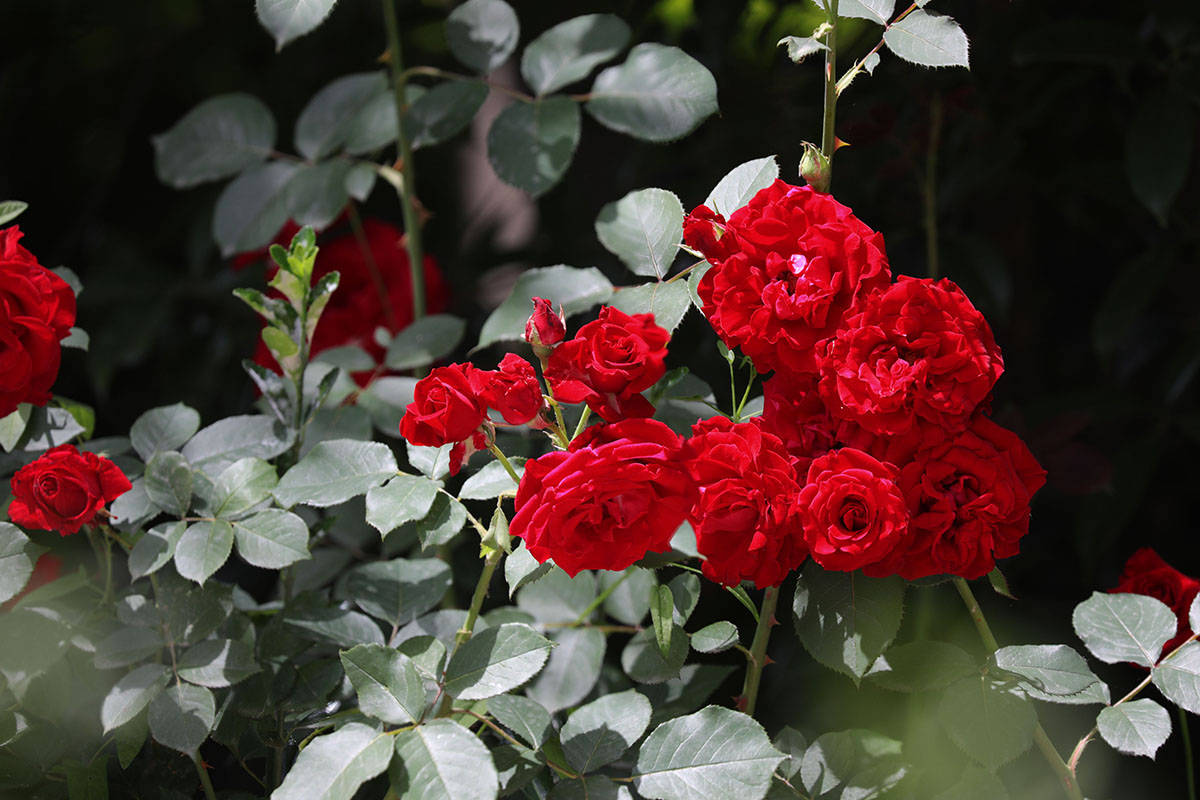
(773, 621)
(767, 660)
(739, 702)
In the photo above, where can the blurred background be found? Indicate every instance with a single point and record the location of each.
(1057, 178)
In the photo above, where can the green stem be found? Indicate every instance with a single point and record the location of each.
(408, 194)
(1066, 774)
(827, 137)
(1187, 754)
(512, 473)
(600, 598)
(758, 649)
(583, 419)
(931, 160)
(485, 579)
(209, 794)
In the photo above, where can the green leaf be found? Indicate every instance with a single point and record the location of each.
(397, 591)
(521, 568)
(1138, 727)
(1178, 676)
(388, 685)
(333, 766)
(1054, 673)
(87, 781)
(1124, 627)
(629, 602)
(574, 289)
(846, 620)
(591, 787)
(17, 556)
(126, 646)
(643, 229)
(715, 638)
(252, 208)
(496, 660)
(921, 666)
(1194, 614)
(1158, 150)
(991, 723)
(569, 51)
(601, 731)
(659, 94)
(315, 196)
(169, 483)
(203, 549)
(524, 717)
(482, 33)
(287, 20)
(360, 180)
(662, 615)
(557, 597)
(428, 656)
(240, 487)
(405, 498)
(182, 716)
(218, 138)
(445, 519)
(741, 183)
(192, 612)
(425, 341)
(644, 661)
(1000, 584)
(976, 783)
(516, 767)
(227, 441)
(131, 694)
(685, 589)
(78, 339)
(572, 671)
(492, 481)
(163, 428)
(13, 426)
(335, 471)
(328, 117)
(442, 112)
(272, 539)
(800, 48)
(11, 209)
(877, 11)
(931, 40)
(442, 760)
(862, 763)
(668, 302)
(530, 145)
(217, 663)
(335, 626)
(715, 752)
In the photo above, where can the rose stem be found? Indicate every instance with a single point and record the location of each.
(408, 194)
(1065, 774)
(204, 781)
(485, 579)
(758, 649)
(827, 137)
(1187, 753)
(512, 473)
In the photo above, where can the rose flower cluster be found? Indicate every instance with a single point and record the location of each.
(874, 450)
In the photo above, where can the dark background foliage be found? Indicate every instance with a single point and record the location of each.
(1064, 191)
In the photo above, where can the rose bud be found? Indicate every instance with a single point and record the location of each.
(545, 329)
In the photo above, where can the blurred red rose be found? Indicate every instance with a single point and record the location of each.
(46, 570)
(1146, 573)
(64, 489)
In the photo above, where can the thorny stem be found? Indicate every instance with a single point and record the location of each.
(850, 74)
(209, 794)
(758, 649)
(1065, 774)
(485, 579)
(827, 137)
(930, 193)
(1187, 753)
(408, 193)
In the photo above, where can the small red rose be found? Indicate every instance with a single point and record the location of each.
(512, 389)
(64, 489)
(447, 409)
(1147, 573)
(545, 328)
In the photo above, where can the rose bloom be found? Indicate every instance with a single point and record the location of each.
(1146, 573)
(64, 489)
(609, 363)
(786, 269)
(917, 356)
(746, 519)
(37, 310)
(969, 499)
(854, 514)
(512, 389)
(618, 493)
(446, 409)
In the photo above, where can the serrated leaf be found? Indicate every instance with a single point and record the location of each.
(218, 138)
(715, 752)
(668, 302)
(335, 626)
(800, 48)
(976, 783)
(569, 51)
(388, 685)
(163, 428)
(405, 498)
(252, 208)
(227, 441)
(327, 119)
(131, 694)
(482, 33)
(272, 539)
(446, 518)
(1138, 727)
(11, 209)
(521, 568)
(314, 196)
(715, 638)
(203, 549)
(629, 602)
(1194, 614)
(425, 341)
(126, 646)
(333, 766)
(1124, 627)
(1000, 584)
(601, 731)
(530, 145)
(685, 589)
(169, 481)
(217, 663)
(862, 763)
(572, 288)
(921, 666)
(13, 426)
(662, 616)
(496, 660)
(643, 229)
(931, 40)
(1178, 676)
(492, 481)
(335, 471)
(182, 716)
(240, 487)
(877, 11)
(1054, 673)
(443, 111)
(573, 668)
(659, 93)
(17, 557)
(991, 723)
(287, 20)
(442, 760)
(846, 620)
(557, 597)
(524, 717)
(397, 591)
(644, 661)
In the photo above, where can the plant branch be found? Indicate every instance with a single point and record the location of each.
(485, 579)
(209, 794)
(1189, 766)
(508, 467)
(757, 657)
(827, 138)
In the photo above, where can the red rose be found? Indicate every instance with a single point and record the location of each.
(64, 490)
(789, 265)
(37, 310)
(1146, 573)
(545, 328)
(969, 499)
(917, 356)
(609, 363)
(854, 514)
(618, 493)
(445, 408)
(704, 230)
(794, 411)
(513, 389)
(746, 519)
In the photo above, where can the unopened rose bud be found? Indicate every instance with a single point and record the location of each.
(545, 328)
(814, 168)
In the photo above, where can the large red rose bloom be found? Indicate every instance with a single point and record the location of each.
(64, 489)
